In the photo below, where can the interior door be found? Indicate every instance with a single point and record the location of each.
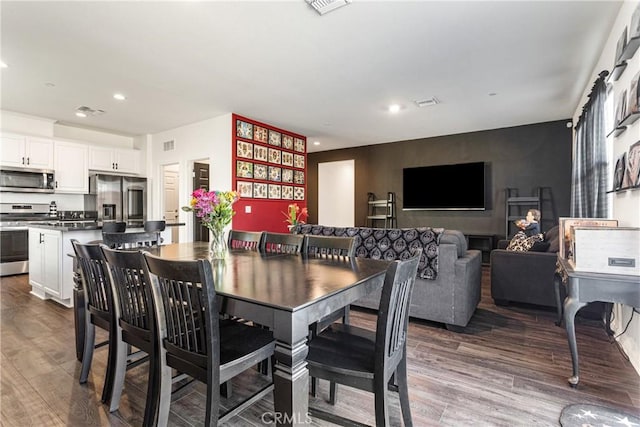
(171, 201)
(200, 180)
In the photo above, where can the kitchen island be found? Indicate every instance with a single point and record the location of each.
(51, 256)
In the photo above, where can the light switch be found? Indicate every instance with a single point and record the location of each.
(247, 209)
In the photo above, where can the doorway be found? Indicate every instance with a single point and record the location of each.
(200, 180)
(171, 197)
(336, 193)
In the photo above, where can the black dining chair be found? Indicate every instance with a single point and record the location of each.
(283, 243)
(370, 360)
(157, 227)
(98, 310)
(328, 247)
(134, 323)
(133, 240)
(114, 227)
(195, 340)
(249, 240)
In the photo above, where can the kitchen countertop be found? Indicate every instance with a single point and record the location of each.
(82, 226)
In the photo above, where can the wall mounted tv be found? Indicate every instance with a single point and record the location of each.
(445, 187)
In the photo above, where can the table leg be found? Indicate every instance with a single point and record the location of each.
(557, 282)
(291, 376)
(571, 307)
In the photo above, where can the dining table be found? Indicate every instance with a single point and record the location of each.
(287, 293)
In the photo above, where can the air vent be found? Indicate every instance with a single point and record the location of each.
(427, 102)
(326, 6)
(169, 145)
(89, 111)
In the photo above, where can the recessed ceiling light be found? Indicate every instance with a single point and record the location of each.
(492, 94)
(394, 108)
(80, 114)
(49, 84)
(3, 65)
(119, 96)
(316, 142)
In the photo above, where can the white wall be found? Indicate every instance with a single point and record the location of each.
(209, 141)
(336, 193)
(625, 204)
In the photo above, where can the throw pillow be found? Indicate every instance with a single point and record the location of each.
(554, 245)
(521, 243)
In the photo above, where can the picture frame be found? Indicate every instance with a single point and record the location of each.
(275, 156)
(260, 153)
(287, 192)
(259, 190)
(244, 129)
(260, 172)
(244, 169)
(565, 225)
(621, 108)
(244, 149)
(622, 43)
(618, 174)
(245, 189)
(287, 142)
(633, 166)
(275, 138)
(274, 191)
(634, 27)
(260, 134)
(634, 95)
(298, 193)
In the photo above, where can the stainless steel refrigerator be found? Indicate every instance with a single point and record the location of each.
(118, 198)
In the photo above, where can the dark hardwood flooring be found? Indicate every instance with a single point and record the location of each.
(509, 368)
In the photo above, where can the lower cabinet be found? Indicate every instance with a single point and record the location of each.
(51, 262)
(45, 251)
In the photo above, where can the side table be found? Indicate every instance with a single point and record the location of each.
(583, 288)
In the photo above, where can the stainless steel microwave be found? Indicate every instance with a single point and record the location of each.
(23, 180)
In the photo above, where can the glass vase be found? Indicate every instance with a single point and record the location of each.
(217, 245)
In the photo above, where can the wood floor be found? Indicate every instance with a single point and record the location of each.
(509, 368)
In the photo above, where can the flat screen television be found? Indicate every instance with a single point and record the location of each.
(444, 187)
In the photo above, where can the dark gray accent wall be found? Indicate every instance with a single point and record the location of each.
(522, 157)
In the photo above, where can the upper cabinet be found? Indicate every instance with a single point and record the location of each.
(114, 160)
(72, 173)
(26, 151)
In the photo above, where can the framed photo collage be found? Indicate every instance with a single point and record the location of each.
(269, 163)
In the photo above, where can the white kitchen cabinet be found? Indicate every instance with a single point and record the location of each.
(26, 151)
(71, 166)
(45, 250)
(50, 263)
(114, 160)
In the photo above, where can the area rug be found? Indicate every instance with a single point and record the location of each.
(583, 415)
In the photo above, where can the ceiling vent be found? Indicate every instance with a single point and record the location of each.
(427, 102)
(326, 6)
(89, 111)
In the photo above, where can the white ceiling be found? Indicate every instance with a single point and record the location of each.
(328, 77)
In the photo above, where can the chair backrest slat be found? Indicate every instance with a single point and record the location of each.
(183, 292)
(328, 246)
(248, 240)
(393, 314)
(283, 243)
(131, 290)
(95, 277)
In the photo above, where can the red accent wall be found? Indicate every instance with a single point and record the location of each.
(269, 177)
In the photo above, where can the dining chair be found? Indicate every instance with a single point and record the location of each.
(114, 227)
(138, 239)
(195, 340)
(249, 240)
(329, 247)
(134, 322)
(157, 227)
(370, 360)
(98, 310)
(284, 243)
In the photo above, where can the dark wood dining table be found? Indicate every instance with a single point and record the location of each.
(286, 293)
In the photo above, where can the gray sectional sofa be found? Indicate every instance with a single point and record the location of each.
(448, 287)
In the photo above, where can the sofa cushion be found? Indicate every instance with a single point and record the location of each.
(457, 238)
(540, 247)
(521, 243)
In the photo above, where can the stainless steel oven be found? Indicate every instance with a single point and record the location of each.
(14, 235)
